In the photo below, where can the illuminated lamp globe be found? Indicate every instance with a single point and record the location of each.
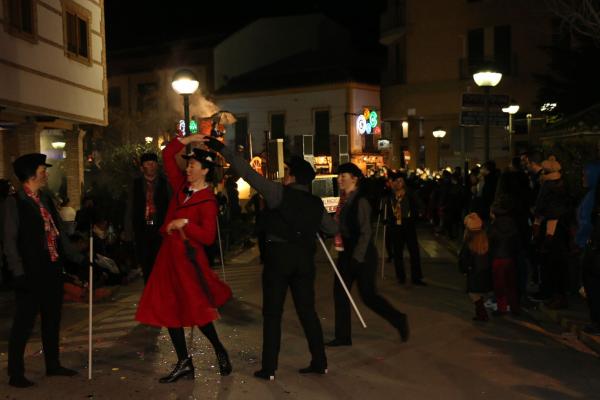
(487, 78)
(185, 82)
(439, 133)
(511, 109)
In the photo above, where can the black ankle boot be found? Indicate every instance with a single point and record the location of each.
(225, 367)
(183, 369)
(480, 311)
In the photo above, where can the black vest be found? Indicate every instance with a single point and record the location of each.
(350, 217)
(31, 240)
(297, 219)
(161, 202)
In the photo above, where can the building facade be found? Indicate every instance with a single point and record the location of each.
(52, 85)
(433, 49)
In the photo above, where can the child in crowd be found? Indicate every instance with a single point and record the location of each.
(475, 262)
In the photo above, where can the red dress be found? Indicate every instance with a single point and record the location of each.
(173, 296)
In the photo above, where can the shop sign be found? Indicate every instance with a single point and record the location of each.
(367, 122)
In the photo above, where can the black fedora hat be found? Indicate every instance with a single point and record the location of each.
(301, 170)
(26, 165)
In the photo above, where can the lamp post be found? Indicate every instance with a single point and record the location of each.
(487, 78)
(438, 133)
(185, 83)
(512, 109)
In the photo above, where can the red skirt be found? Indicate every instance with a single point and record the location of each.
(173, 296)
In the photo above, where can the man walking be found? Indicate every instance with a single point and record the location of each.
(34, 252)
(291, 221)
(146, 210)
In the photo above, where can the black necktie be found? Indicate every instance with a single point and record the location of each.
(187, 191)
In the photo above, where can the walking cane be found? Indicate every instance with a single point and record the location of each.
(221, 249)
(378, 217)
(91, 303)
(362, 321)
(383, 242)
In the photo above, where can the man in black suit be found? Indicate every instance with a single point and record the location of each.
(146, 210)
(34, 248)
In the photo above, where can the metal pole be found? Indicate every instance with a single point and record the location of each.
(378, 218)
(487, 123)
(221, 249)
(250, 145)
(362, 321)
(510, 135)
(186, 119)
(91, 302)
(438, 153)
(383, 241)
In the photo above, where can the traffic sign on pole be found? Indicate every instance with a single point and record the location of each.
(477, 100)
(477, 118)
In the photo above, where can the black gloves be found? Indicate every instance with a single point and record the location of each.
(214, 144)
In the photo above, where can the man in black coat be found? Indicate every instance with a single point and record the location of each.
(34, 248)
(291, 221)
(146, 209)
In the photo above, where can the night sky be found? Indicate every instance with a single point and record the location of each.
(129, 25)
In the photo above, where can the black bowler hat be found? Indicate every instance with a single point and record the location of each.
(301, 169)
(26, 165)
(148, 157)
(207, 158)
(351, 169)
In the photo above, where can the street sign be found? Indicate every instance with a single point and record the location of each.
(477, 118)
(477, 100)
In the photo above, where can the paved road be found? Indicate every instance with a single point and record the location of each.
(448, 356)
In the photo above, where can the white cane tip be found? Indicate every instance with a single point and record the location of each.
(271, 377)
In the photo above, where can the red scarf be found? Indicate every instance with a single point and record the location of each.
(337, 240)
(49, 226)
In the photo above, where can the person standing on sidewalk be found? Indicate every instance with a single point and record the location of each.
(146, 209)
(404, 209)
(182, 289)
(291, 221)
(474, 260)
(34, 248)
(357, 260)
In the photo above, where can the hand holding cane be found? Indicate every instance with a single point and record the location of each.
(362, 321)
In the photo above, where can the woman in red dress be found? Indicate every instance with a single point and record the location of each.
(182, 290)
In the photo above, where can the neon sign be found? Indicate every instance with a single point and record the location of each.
(367, 122)
(193, 126)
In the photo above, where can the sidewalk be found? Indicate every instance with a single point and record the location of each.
(572, 319)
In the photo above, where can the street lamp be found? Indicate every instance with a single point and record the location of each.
(512, 109)
(487, 78)
(438, 133)
(185, 83)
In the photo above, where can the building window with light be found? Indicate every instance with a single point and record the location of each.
(76, 30)
(21, 19)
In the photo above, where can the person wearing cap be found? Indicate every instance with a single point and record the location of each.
(552, 232)
(182, 290)
(146, 209)
(291, 221)
(357, 259)
(34, 249)
(403, 210)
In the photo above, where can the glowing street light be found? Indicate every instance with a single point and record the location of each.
(487, 78)
(185, 83)
(512, 109)
(439, 134)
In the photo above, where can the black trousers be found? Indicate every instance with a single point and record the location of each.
(554, 271)
(406, 235)
(364, 275)
(290, 265)
(148, 241)
(44, 298)
(591, 282)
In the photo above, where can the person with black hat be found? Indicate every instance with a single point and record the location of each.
(404, 209)
(291, 221)
(34, 249)
(357, 259)
(146, 209)
(182, 290)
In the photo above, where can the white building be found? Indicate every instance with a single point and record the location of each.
(52, 84)
(302, 83)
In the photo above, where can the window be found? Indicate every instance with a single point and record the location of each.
(114, 97)
(322, 133)
(277, 126)
(475, 43)
(21, 18)
(76, 26)
(241, 132)
(147, 99)
(502, 48)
